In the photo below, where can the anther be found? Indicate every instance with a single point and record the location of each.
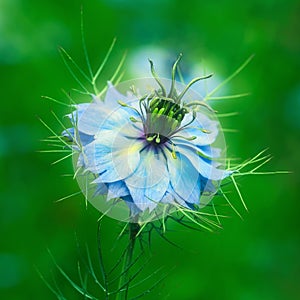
(161, 111)
(205, 130)
(179, 118)
(157, 140)
(173, 152)
(155, 111)
(171, 114)
(134, 120)
(151, 138)
(190, 138)
(122, 103)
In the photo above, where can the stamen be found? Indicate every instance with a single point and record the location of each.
(157, 140)
(134, 120)
(126, 105)
(131, 107)
(167, 99)
(151, 138)
(173, 151)
(122, 103)
(154, 103)
(174, 125)
(155, 111)
(204, 156)
(191, 138)
(189, 123)
(179, 114)
(133, 90)
(205, 130)
(161, 111)
(171, 114)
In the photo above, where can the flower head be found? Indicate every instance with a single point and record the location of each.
(150, 148)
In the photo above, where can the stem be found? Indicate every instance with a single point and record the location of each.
(123, 283)
(102, 269)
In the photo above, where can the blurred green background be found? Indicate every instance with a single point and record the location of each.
(254, 258)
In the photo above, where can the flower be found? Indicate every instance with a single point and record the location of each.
(149, 147)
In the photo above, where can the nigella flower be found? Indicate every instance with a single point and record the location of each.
(150, 148)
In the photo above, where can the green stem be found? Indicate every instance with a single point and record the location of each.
(123, 283)
(102, 269)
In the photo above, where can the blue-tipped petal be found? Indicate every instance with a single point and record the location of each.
(134, 210)
(117, 190)
(172, 198)
(208, 186)
(101, 189)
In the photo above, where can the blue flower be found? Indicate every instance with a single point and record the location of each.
(149, 148)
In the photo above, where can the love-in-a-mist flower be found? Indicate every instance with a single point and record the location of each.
(150, 147)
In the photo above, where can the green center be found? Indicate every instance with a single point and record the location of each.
(167, 108)
(164, 117)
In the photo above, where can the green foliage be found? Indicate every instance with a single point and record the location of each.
(252, 259)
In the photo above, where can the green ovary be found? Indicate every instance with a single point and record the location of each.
(163, 118)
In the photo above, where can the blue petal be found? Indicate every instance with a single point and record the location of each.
(69, 133)
(172, 198)
(206, 151)
(89, 116)
(84, 139)
(101, 189)
(205, 168)
(204, 129)
(208, 186)
(113, 96)
(209, 151)
(76, 114)
(113, 160)
(95, 115)
(99, 116)
(149, 182)
(134, 210)
(183, 177)
(117, 190)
